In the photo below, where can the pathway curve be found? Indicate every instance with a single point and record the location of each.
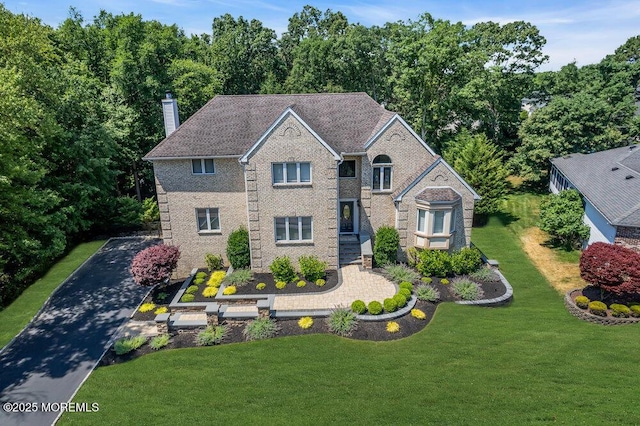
(52, 356)
(357, 284)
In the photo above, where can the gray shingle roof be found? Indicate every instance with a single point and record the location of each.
(231, 124)
(610, 191)
(438, 194)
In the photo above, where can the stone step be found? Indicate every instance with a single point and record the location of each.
(188, 320)
(239, 311)
(349, 238)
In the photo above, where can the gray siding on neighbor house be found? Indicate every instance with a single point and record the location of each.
(290, 141)
(180, 193)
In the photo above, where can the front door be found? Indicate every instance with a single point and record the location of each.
(347, 217)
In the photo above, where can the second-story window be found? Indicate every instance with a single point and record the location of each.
(382, 169)
(202, 166)
(291, 173)
(347, 169)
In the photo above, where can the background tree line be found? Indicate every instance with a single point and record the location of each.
(79, 106)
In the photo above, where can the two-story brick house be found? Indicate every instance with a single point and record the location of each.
(302, 173)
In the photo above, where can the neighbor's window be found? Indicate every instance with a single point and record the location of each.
(202, 166)
(294, 228)
(347, 169)
(291, 173)
(435, 222)
(382, 169)
(208, 219)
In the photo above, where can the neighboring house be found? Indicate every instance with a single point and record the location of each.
(306, 175)
(609, 182)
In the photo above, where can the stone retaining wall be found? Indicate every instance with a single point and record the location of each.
(585, 315)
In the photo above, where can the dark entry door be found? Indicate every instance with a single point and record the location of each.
(347, 213)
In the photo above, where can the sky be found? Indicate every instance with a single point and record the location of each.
(581, 31)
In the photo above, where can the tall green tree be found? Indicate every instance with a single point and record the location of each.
(561, 216)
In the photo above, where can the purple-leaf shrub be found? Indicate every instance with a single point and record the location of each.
(154, 264)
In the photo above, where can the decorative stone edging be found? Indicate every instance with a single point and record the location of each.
(497, 301)
(585, 315)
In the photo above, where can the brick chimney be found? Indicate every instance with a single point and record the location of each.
(170, 114)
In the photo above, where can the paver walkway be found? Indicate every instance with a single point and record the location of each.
(356, 284)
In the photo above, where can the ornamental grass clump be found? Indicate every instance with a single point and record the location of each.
(212, 335)
(260, 329)
(147, 307)
(484, 274)
(159, 342)
(124, 346)
(418, 314)
(342, 321)
(426, 280)
(427, 293)
(359, 307)
(400, 273)
(393, 327)
(215, 280)
(466, 289)
(305, 322)
(239, 277)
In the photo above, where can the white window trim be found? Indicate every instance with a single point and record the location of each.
(449, 221)
(382, 166)
(208, 212)
(355, 170)
(287, 239)
(285, 176)
(202, 165)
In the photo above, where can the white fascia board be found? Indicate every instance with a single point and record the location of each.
(276, 123)
(190, 157)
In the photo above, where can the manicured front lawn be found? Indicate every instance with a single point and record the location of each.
(530, 362)
(15, 316)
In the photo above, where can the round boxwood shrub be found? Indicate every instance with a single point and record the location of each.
(359, 307)
(619, 310)
(320, 282)
(390, 305)
(405, 292)
(407, 285)
(635, 311)
(598, 308)
(582, 302)
(375, 307)
(400, 300)
(186, 298)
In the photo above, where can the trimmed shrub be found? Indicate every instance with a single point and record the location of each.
(311, 267)
(213, 261)
(359, 307)
(320, 282)
(159, 342)
(582, 302)
(385, 246)
(444, 281)
(434, 262)
(406, 285)
(212, 335)
(124, 346)
(282, 269)
(413, 254)
(198, 281)
(150, 210)
(405, 292)
(619, 310)
(186, 298)
(261, 286)
(342, 321)
(161, 310)
(228, 291)
(418, 314)
(400, 300)
(426, 280)
(305, 322)
(466, 289)
(611, 267)
(238, 251)
(635, 311)
(192, 289)
(400, 273)
(239, 277)
(301, 284)
(374, 307)
(484, 274)
(154, 264)
(147, 307)
(428, 293)
(216, 278)
(598, 308)
(259, 329)
(210, 291)
(465, 261)
(390, 305)
(281, 285)
(393, 327)
(201, 275)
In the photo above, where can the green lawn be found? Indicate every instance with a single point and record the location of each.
(528, 363)
(21, 311)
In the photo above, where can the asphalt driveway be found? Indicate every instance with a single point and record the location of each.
(51, 358)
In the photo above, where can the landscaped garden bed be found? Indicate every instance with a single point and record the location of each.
(160, 297)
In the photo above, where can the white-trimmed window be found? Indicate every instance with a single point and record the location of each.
(347, 169)
(382, 171)
(202, 166)
(288, 173)
(208, 219)
(435, 222)
(294, 228)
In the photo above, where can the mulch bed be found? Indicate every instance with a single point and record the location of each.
(331, 279)
(169, 290)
